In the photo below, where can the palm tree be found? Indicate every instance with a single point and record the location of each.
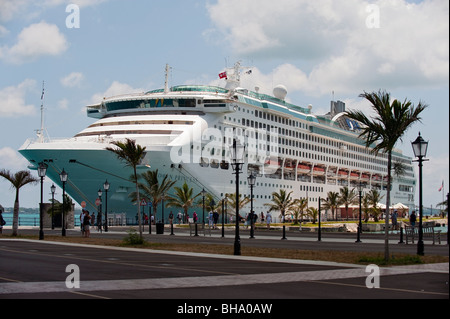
(154, 189)
(365, 207)
(299, 208)
(347, 197)
(231, 200)
(132, 154)
(392, 120)
(282, 202)
(374, 197)
(313, 213)
(332, 202)
(184, 198)
(18, 180)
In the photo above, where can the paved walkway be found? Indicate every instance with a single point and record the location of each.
(264, 277)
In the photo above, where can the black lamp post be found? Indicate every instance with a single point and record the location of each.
(42, 171)
(420, 151)
(106, 188)
(53, 190)
(226, 208)
(358, 238)
(163, 198)
(63, 176)
(237, 162)
(319, 234)
(100, 208)
(203, 213)
(223, 217)
(251, 181)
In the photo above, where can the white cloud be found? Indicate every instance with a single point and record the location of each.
(11, 159)
(36, 40)
(13, 100)
(63, 104)
(72, 80)
(3, 31)
(10, 8)
(410, 48)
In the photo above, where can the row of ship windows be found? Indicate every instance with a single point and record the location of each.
(142, 122)
(315, 139)
(312, 152)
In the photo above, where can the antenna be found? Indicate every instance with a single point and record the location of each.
(40, 132)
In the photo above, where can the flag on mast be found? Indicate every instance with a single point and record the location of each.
(42, 95)
(442, 186)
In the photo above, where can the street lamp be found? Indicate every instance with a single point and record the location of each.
(251, 181)
(223, 217)
(63, 176)
(420, 151)
(360, 189)
(106, 188)
(226, 208)
(203, 214)
(237, 162)
(100, 208)
(42, 171)
(53, 190)
(319, 234)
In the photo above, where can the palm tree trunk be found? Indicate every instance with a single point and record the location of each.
(16, 215)
(388, 204)
(138, 203)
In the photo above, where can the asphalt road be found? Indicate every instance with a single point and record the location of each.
(38, 269)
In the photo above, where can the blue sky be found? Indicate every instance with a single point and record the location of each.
(314, 48)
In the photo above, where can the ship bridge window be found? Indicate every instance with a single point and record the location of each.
(214, 103)
(150, 103)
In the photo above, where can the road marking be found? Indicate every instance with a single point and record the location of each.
(194, 282)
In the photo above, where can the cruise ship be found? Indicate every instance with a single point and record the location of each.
(188, 132)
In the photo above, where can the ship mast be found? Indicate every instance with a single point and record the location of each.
(40, 132)
(166, 82)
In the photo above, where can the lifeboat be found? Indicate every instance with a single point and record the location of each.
(354, 175)
(317, 170)
(304, 169)
(342, 174)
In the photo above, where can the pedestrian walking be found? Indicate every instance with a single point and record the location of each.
(215, 219)
(179, 217)
(86, 224)
(2, 221)
(268, 219)
(83, 212)
(99, 222)
(210, 219)
(412, 219)
(171, 218)
(394, 220)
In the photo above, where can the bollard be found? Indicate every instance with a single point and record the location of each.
(401, 236)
